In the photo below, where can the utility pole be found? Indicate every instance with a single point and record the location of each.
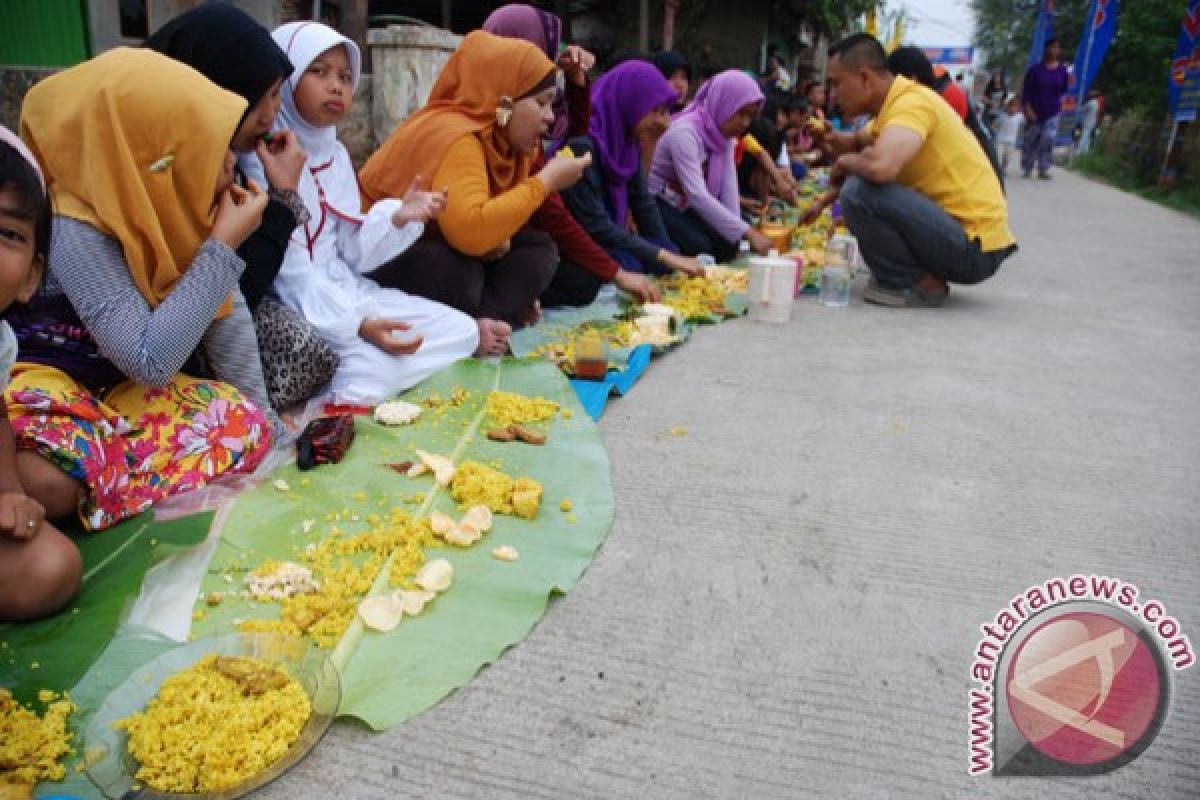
(670, 9)
(644, 25)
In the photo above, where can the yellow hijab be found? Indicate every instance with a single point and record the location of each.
(464, 99)
(132, 142)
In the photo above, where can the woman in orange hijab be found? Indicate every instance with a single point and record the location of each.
(484, 122)
(142, 273)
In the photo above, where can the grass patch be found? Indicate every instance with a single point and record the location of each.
(1183, 197)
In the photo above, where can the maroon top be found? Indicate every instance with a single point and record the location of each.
(574, 243)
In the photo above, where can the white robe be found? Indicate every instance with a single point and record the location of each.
(320, 279)
(322, 272)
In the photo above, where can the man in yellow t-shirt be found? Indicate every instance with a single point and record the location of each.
(919, 193)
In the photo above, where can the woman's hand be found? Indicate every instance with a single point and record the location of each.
(783, 184)
(20, 515)
(575, 62)
(498, 252)
(381, 333)
(759, 242)
(282, 158)
(239, 213)
(641, 287)
(420, 205)
(563, 171)
(685, 264)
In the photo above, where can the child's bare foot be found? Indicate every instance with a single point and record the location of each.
(493, 337)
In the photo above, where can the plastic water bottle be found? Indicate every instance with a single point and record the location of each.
(835, 286)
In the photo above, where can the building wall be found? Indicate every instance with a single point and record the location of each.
(105, 18)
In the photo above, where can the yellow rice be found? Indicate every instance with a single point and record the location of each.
(32, 747)
(509, 408)
(205, 731)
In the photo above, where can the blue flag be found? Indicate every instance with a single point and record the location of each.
(1043, 30)
(1097, 36)
(1183, 88)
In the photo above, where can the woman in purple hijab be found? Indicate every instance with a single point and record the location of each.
(693, 173)
(629, 101)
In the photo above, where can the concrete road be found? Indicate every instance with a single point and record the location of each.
(790, 600)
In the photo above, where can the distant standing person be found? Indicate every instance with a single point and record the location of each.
(1091, 113)
(1008, 127)
(994, 98)
(1041, 95)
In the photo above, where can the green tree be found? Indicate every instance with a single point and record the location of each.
(1134, 73)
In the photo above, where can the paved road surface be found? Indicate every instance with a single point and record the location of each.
(789, 601)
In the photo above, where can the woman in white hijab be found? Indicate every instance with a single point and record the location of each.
(386, 340)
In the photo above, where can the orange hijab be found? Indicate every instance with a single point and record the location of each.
(132, 143)
(484, 69)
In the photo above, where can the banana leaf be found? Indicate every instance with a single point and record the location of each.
(114, 563)
(390, 677)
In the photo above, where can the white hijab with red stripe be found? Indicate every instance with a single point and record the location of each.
(329, 184)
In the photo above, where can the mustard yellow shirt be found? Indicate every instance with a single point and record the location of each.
(476, 221)
(951, 168)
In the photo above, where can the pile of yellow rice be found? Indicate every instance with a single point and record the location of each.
(216, 724)
(692, 297)
(346, 568)
(32, 747)
(478, 484)
(510, 408)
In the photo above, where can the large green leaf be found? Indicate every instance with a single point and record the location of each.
(114, 562)
(388, 678)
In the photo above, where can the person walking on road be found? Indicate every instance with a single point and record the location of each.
(1041, 97)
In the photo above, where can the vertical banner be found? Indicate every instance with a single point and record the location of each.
(1102, 26)
(1183, 88)
(1043, 30)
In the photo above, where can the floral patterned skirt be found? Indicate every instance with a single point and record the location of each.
(136, 445)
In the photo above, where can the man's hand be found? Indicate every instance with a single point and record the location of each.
(282, 158)
(381, 333)
(836, 143)
(822, 202)
(20, 515)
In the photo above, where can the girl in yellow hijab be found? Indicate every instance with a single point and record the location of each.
(142, 273)
(486, 117)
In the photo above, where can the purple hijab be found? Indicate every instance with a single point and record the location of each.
(541, 28)
(721, 96)
(620, 98)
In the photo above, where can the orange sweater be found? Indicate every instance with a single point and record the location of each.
(474, 221)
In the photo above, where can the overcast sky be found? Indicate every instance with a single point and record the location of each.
(947, 23)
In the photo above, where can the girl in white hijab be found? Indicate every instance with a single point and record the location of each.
(386, 340)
